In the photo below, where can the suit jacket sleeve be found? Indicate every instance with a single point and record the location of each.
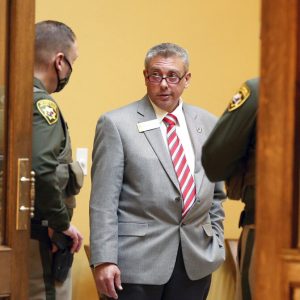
(107, 178)
(228, 143)
(217, 211)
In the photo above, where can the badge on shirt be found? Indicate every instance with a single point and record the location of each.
(148, 125)
(48, 110)
(239, 98)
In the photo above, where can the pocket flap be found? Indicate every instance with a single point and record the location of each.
(208, 229)
(134, 229)
(78, 173)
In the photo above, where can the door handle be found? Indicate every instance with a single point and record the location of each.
(24, 208)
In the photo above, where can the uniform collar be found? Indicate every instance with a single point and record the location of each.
(37, 83)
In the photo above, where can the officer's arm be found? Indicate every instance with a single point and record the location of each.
(45, 150)
(227, 145)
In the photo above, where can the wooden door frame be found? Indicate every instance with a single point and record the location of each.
(18, 142)
(276, 254)
(277, 257)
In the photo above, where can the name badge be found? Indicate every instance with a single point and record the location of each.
(148, 125)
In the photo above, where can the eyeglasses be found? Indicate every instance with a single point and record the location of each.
(157, 79)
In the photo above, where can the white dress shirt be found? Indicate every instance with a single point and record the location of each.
(182, 132)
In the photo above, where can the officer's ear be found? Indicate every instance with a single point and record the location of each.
(187, 79)
(58, 60)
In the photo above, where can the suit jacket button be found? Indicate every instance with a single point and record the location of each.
(177, 199)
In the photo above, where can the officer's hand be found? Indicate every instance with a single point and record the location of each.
(108, 277)
(76, 236)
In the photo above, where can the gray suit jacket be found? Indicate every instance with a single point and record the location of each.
(135, 206)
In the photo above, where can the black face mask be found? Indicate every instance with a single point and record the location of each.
(61, 83)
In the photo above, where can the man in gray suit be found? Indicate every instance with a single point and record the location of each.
(156, 219)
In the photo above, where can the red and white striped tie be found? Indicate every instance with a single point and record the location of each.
(183, 172)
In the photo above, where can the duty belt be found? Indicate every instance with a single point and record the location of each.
(39, 231)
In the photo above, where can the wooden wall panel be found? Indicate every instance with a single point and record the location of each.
(5, 270)
(277, 179)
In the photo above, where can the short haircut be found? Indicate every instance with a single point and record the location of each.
(167, 50)
(52, 37)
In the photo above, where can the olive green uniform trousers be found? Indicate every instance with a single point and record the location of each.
(245, 276)
(41, 284)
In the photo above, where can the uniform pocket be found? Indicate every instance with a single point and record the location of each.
(76, 176)
(132, 229)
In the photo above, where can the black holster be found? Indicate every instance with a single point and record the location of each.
(62, 258)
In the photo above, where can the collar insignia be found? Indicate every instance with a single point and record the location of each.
(239, 98)
(48, 110)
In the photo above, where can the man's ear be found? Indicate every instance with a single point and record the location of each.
(187, 79)
(58, 60)
(145, 76)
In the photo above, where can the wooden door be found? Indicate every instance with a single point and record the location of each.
(277, 249)
(16, 81)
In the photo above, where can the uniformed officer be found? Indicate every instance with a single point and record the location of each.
(58, 179)
(229, 154)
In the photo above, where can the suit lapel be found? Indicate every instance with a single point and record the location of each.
(196, 131)
(155, 139)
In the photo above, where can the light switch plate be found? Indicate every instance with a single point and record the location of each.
(82, 158)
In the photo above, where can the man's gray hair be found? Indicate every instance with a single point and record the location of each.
(52, 37)
(167, 50)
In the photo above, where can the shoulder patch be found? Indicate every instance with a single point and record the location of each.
(48, 110)
(239, 98)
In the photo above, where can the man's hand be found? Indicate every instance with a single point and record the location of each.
(76, 236)
(107, 277)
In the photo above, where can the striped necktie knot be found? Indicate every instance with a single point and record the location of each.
(170, 119)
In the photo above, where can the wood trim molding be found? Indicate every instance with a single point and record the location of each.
(19, 124)
(5, 270)
(291, 274)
